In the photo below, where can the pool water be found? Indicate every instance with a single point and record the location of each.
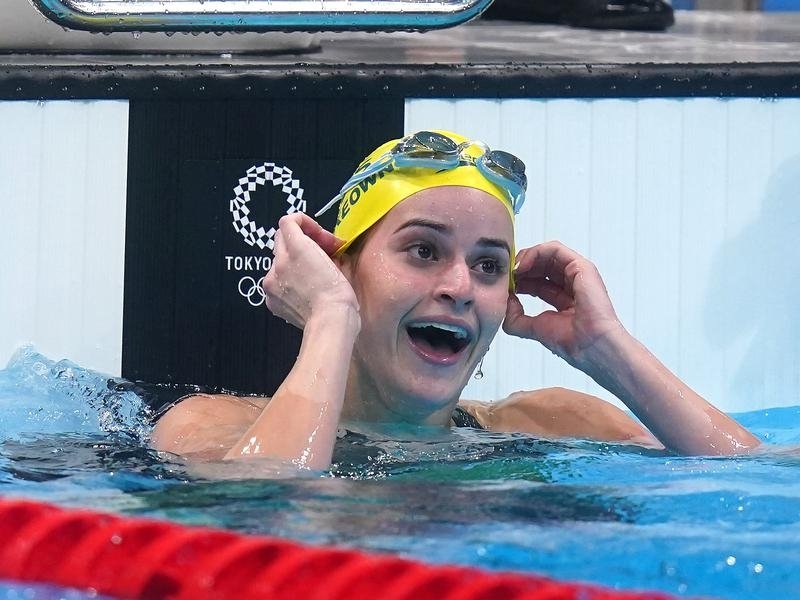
(610, 514)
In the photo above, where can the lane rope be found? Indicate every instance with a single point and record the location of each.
(125, 557)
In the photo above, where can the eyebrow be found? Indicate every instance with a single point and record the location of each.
(435, 225)
(495, 243)
(446, 229)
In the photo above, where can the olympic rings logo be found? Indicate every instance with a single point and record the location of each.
(252, 291)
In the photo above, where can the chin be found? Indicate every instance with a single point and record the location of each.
(429, 396)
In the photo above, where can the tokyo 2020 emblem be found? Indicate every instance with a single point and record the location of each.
(254, 234)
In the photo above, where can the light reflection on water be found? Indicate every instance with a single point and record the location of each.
(609, 514)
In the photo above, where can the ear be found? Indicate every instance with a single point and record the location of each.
(347, 265)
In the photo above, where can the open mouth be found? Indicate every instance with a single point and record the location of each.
(439, 341)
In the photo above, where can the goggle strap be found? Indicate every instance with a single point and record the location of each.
(360, 176)
(426, 163)
(328, 206)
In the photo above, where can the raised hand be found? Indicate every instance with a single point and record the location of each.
(303, 278)
(570, 284)
(584, 330)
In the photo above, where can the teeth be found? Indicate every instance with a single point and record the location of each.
(459, 332)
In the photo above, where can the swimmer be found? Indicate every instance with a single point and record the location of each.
(400, 303)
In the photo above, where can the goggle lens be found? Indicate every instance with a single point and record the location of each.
(436, 142)
(508, 165)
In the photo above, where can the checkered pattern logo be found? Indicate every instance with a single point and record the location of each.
(253, 234)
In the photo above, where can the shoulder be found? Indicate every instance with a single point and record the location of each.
(558, 412)
(206, 423)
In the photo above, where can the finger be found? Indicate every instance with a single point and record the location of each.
(323, 238)
(270, 284)
(549, 260)
(289, 227)
(517, 323)
(326, 240)
(513, 323)
(301, 223)
(270, 287)
(529, 258)
(279, 246)
(514, 308)
(555, 295)
(583, 275)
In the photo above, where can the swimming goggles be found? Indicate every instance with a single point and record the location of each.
(431, 150)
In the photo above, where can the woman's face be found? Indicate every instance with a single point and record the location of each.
(432, 282)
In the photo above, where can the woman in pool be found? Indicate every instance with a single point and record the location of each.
(401, 302)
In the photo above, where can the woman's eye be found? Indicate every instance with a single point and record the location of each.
(422, 251)
(489, 267)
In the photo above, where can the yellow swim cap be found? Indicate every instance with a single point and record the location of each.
(366, 202)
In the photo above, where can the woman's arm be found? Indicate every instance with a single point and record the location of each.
(308, 290)
(674, 412)
(584, 331)
(299, 423)
(561, 413)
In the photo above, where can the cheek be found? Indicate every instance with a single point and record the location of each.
(383, 295)
(390, 284)
(494, 309)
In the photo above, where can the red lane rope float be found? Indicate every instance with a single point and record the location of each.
(138, 558)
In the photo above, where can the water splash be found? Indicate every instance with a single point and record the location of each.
(42, 396)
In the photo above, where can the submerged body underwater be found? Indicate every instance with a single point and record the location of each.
(615, 515)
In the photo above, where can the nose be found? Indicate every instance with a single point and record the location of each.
(455, 286)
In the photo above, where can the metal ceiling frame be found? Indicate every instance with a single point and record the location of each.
(259, 15)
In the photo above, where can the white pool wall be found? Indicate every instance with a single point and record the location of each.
(63, 171)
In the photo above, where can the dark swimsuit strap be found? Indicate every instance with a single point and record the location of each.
(462, 418)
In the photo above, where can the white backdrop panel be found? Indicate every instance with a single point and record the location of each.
(63, 171)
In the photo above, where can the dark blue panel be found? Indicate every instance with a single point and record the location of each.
(193, 311)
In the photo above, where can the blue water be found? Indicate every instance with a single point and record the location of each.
(614, 515)
(20, 591)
